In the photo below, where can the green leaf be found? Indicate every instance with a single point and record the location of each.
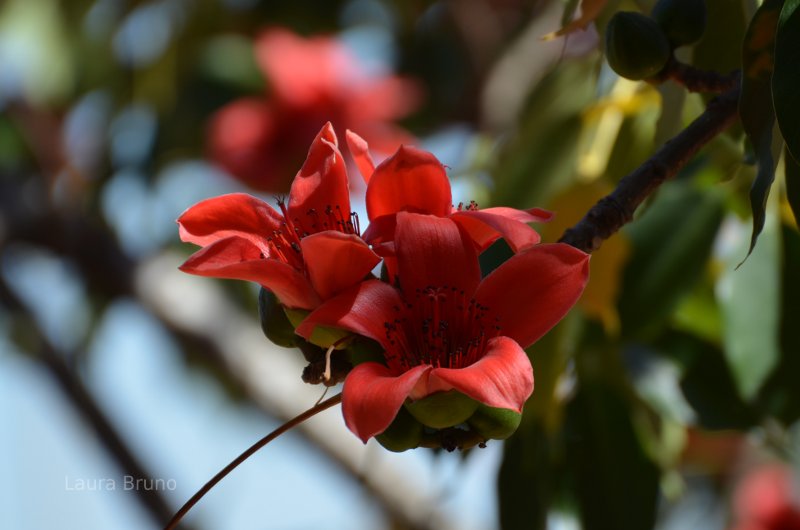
(780, 395)
(531, 475)
(750, 300)
(718, 50)
(792, 175)
(542, 153)
(615, 481)
(755, 105)
(706, 382)
(786, 77)
(527, 478)
(671, 245)
(608, 434)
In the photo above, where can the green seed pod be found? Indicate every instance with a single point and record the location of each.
(274, 323)
(404, 433)
(443, 409)
(683, 21)
(494, 423)
(636, 47)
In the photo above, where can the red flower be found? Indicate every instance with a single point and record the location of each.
(445, 328)
(312, 81)
(765, 500)
(413, 180)
(307, 253)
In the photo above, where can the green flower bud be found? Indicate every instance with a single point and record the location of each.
(494, 423)
(274, 323)
(404, 433)
(442, 409)
(636, 47)
(683, 21)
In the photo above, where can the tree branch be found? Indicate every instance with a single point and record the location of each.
(617, 209)
(84, 402)
(697, 80)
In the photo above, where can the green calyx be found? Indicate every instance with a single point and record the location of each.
(442, 409)
(274, 322)
(404, 433)
(636, 47)
(494, 423)
(323, 337)
(683, 21)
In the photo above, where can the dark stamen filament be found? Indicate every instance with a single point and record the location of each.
(440, 327)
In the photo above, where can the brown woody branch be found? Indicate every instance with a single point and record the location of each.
(616, 209)
(56, 363)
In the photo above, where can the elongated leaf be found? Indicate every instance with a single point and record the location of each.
(755, 105)
(671, 244)
(607, 441)
(793, 184)
(616, 483)
(525, 483)
(780, 396)
(542, 152)
(718, 50)
(786, 79)
(750, 299)
(707, 382)
(531, 476)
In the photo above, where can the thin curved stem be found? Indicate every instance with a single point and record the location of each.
(297, 420)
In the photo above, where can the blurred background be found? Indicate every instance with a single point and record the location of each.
(667, 399)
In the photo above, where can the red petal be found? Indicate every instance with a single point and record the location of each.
(236, 214)
(336, 261)
(373, 395)
(485, 226)
(359, 149)
(410, 180)
(534, 289)
(502, 378)
(433, 252)
(362, 310)
(322, 181)
(237, 258)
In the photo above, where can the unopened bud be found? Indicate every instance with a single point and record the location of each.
(636, 47)
(683, 21)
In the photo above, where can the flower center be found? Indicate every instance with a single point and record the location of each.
(284, 243)
(439, 327)
(332, 218)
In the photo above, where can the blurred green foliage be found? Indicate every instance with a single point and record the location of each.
(597, 442)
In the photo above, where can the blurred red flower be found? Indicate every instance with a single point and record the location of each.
(766, 499)
(446, 329)
(306, 253)
(316, 80)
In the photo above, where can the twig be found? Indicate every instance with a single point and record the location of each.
(697, 80)
(616, 209)
(300, 418)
